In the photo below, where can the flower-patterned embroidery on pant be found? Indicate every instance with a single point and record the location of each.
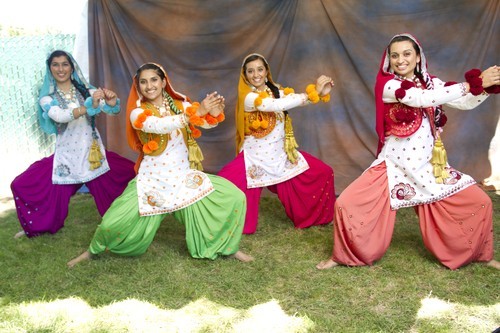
(194, 180)
(255, 172)
(153, 198)
(403, 191)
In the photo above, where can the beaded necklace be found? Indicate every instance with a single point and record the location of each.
(414, 79)
(69, 96)
(267, 90)
(166, 108)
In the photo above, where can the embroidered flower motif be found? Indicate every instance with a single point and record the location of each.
(255, 172)
(403, 192)
(454, 177)
(194, 180)
(62, 170)
(153, 198)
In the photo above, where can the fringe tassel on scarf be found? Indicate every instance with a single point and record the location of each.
(439, 161)
(195, 154)
(290, 143)
(95, 155)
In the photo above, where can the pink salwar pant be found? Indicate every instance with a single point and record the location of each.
(308, 198)
(457, 230)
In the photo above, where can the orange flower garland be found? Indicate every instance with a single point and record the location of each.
(151, 145)
(141, 118)
(196, 120)
(258, 100)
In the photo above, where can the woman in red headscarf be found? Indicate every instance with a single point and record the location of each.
(162, 128)
(411, 169)
(266, 149)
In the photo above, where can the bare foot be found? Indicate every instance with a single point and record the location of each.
(20, 234)
(242, 257)
(494, 264)
(84, 256)
(325, 264)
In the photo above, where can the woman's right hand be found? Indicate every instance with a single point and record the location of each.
(324, 85)
(213, 104)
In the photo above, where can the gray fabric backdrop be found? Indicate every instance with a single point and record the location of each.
(201, 44)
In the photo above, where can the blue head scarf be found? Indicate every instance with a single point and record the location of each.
(49, 87)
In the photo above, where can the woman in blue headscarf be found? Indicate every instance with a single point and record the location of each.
(68, 105)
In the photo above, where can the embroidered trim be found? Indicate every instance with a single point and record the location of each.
(280, 180)
(188, 203)
(444, 195)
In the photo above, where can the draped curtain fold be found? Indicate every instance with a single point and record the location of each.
(202, 43)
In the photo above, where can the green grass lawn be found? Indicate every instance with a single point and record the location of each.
(166, 290)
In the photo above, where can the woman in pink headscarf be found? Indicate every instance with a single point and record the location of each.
(411, 169)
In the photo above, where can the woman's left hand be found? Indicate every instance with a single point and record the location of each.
(109, 96)
(324, 85)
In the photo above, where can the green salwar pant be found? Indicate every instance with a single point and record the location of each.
(214, 224)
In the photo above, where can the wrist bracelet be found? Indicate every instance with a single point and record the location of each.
(475, 81)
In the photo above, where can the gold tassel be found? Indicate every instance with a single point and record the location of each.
(290, 143)
(195, 155)
(439, 161)
(95, 155)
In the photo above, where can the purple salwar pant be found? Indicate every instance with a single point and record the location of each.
(42, 206)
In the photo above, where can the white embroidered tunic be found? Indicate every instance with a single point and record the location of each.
(409, 171)
(73, 142)
(266, 161)
(165, 183)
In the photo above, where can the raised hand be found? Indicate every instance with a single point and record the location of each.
(96, 97)
(491, 76)
(324, 85)
(109, 96)
(213, 104)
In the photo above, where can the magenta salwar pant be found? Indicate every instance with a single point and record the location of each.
(42, 206)
(308, 198)
(457, 230)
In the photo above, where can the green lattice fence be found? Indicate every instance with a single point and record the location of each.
(22, 66)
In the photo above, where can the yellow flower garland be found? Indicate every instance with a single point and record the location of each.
(313, 95)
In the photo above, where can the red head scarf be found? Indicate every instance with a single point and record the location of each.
(385, 74)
